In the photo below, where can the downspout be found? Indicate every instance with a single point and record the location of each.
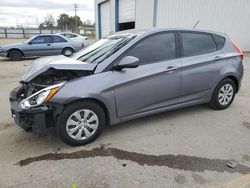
(155, 13)
(99, 21)
(116, 15)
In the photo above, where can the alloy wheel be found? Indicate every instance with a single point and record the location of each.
(225, 95)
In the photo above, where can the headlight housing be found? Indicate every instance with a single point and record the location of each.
(41, 96)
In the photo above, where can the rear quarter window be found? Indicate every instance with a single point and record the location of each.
(197, 44)
(58, 39)
(220, 41)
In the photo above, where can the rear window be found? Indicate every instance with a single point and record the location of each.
(220, 41)
(197, 44)
(70, 35)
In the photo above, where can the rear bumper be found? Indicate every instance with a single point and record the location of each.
(36, 120)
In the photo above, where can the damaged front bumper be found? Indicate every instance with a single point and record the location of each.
(3, 54)
(36, 119)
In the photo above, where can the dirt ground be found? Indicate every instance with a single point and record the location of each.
(183, 148)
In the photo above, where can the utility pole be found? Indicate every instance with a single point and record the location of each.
(76, 9)
(37, 22)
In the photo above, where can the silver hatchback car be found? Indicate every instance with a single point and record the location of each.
(126, 76)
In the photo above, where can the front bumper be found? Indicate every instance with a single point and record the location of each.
(36, 119)
(3, 54)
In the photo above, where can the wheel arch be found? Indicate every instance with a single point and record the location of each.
(68, 47)
(95, 100)
(8, 55)
(235, 80)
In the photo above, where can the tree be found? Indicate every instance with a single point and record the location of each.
(48, 23)
(73, 22)
(63, 21)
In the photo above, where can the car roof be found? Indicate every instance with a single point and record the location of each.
(67, 33)
(156, 30)
(46, 34)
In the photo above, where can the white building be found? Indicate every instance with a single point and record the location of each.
(227, 16)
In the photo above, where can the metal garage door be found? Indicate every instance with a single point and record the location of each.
(105, 18)
(126, 11)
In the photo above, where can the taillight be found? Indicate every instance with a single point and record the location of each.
(238, 49)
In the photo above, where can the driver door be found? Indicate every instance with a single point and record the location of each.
(39, 46)
(155, 83)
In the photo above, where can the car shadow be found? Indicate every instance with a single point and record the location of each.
(163, 116)
(53, 142)
(23, 59)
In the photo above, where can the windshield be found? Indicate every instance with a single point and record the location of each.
(101, 50)
(27, 41)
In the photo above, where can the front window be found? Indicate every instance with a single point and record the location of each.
(156, 48)
(102, 49)
(42, 40)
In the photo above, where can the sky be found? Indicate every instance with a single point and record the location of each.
(30, 13)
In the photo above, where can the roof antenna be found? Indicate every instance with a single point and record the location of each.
(196, 24)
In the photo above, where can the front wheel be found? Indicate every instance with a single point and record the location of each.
(223, 95)
(15, 55)
(81, 123)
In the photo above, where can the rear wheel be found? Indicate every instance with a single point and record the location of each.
(67, 51)
(81, 123)
(223, 95)
(15, 55)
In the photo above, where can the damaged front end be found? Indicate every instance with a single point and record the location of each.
(30, 102)
(36, 118)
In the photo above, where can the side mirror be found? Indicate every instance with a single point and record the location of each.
(127, 62)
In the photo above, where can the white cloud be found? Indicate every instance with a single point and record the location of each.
(28, 13)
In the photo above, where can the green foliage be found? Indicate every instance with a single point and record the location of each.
(65, 21)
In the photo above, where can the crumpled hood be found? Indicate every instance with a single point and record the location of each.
(59, 62)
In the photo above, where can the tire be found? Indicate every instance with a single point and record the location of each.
(15, 55)
(67, 51)
(78, 133)
(223, 95)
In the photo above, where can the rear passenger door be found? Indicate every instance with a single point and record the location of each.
(156, 82)
(200, 65)
(58, 44)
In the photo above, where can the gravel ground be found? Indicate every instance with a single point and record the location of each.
(183, 148)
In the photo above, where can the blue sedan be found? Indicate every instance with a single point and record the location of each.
(40, 45)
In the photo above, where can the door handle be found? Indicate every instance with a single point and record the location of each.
(48, 44)
(171, 68)
(217, 58)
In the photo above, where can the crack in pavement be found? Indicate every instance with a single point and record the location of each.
(181, 162)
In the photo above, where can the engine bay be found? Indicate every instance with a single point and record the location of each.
(48, 78)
